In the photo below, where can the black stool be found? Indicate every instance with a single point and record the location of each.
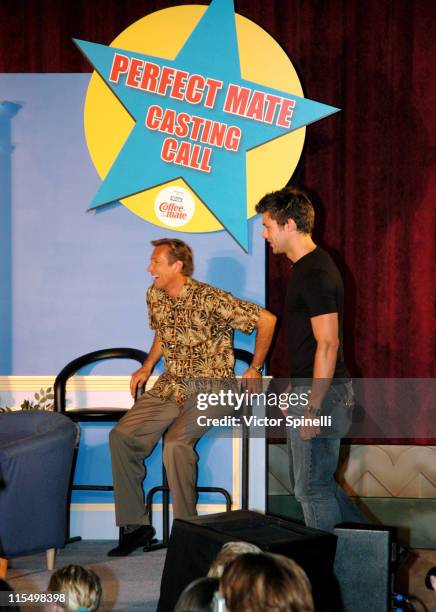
(86, 415)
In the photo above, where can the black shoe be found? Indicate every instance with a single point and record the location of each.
(138, 538)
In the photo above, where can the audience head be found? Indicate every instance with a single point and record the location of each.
(430, 579)
(198, 596)
(267, 582)
(82, 586)
(228, 552)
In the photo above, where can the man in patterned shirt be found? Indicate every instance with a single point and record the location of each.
(193, 325)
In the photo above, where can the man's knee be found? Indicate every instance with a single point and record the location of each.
(116, 437)
(174, 448)
(120, 438)
(302, 491)
(126, 426)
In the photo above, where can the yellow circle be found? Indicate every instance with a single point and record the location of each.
(162, 34)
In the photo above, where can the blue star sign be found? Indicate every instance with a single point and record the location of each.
(195, 118)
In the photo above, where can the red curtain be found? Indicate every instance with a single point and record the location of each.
(371, 165)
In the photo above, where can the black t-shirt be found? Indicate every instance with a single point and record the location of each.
(315, 288)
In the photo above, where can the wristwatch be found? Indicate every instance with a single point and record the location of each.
(313, 410)
(259, 369)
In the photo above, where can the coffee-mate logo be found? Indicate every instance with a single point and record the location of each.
(195, 98)
(174, 207)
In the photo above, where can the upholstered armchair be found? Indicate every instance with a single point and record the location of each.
(36, 452)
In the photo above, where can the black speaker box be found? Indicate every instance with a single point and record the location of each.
(195, 542)
(365, 566)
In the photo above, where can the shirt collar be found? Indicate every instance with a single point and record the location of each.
(186, 290)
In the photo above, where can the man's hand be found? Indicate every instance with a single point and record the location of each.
(252, 380)
(308, 432)
(139, 377)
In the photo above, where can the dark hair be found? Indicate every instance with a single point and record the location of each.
(431, 572)
(267, 582)
(289, 203)
(198, 596)
(178, 251)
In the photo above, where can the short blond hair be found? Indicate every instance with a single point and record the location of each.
(82, 587)
(267, 582)
(228, 552)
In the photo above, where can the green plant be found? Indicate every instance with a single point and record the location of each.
(44, 401)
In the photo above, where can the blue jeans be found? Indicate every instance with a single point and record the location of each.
(313, 463)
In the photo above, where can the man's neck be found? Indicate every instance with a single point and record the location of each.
(301, 246)
(176, 287)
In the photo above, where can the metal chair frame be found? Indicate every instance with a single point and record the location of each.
(102, 415)
(87, 415)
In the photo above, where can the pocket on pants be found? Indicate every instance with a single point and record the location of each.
(338, 404)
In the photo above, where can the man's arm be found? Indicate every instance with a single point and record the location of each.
(264, 334)
(140, 376)
(326, 331)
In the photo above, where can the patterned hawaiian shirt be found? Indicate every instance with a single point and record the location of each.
(195, 331)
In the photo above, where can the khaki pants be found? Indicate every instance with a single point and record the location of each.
(134, 438)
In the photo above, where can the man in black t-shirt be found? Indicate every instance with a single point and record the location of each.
(314, 320)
